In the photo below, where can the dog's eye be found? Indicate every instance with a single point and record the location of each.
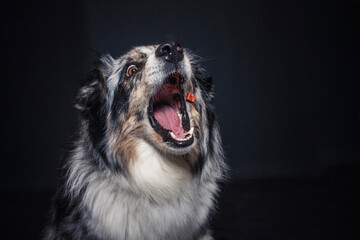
(132, 69)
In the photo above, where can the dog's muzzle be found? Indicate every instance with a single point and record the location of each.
(167, 109)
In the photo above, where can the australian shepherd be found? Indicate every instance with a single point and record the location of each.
(148, 156)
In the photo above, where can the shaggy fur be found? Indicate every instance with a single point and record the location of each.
(121, 180)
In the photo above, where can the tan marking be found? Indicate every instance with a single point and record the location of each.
(136, 55)
(157, 137)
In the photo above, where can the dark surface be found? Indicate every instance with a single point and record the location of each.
(323, 207)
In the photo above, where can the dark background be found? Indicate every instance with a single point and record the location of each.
(287, 95)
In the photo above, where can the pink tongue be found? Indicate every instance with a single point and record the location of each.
(169, 119)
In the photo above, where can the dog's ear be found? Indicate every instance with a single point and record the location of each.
(202, 79)
(89, 95)
(93, 91)
(207, 84)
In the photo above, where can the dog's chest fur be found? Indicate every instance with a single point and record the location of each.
(167, 203)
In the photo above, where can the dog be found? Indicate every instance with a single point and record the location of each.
(146, 161)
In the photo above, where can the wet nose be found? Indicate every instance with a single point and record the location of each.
(170, 51)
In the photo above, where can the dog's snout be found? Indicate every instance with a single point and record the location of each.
(171, 52)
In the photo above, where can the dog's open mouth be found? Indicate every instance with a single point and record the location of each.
(168, 115)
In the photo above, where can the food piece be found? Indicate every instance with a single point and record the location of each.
(190, 97)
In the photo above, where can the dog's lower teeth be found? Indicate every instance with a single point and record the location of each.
(191, 131)
(172, 135)
(188, 136)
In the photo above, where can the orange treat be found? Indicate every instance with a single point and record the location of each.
(190, 97)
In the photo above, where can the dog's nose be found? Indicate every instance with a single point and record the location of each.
(170, 51)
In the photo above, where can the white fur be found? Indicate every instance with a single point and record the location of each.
(157, 176)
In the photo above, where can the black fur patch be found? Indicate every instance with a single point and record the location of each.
(121, 96)
(120, 103)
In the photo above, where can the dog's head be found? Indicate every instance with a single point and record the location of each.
(142, 95)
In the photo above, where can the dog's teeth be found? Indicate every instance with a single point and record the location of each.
(179, 115)
(172, 135)
(191, 131)
(179, 139)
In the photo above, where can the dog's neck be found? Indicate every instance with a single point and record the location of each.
(164, 193)
(159, 175)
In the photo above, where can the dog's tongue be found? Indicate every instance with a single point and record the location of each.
(168, 118)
